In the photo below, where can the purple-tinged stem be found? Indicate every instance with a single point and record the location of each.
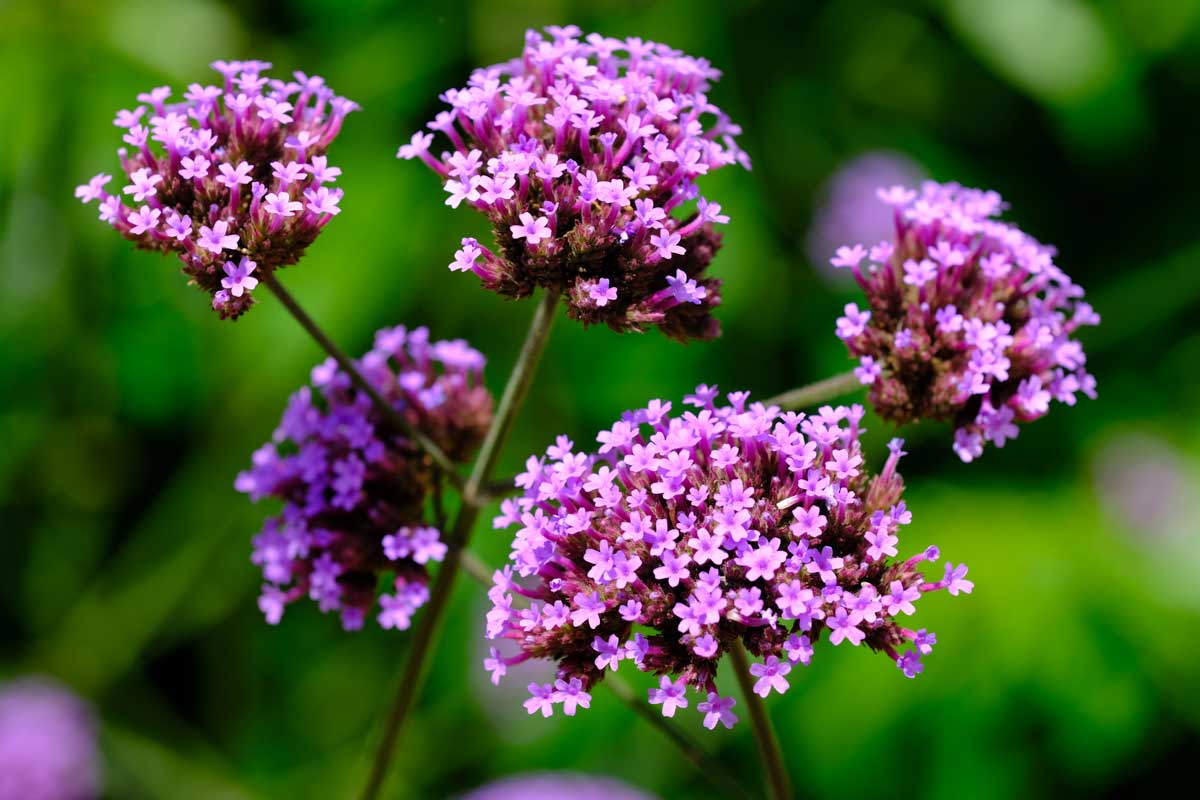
(816, 393)
(429, 622)
(778, 783)
(393, 417)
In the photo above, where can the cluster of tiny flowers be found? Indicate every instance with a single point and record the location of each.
(578, 152)
(969, 320)
(354, 491)
(233, 179)
(48, 745)
(685, 535)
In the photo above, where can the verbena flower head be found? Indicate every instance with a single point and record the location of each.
(579, 153)
(354, 491)
(686, 534)
(233, 178)
(47, 743)
(555, 786)
(969, 320)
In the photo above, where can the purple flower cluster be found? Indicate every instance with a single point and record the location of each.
(578, 152)
(354, 492)
(969, 320)
(685, 535)
(232, 179)
(47, 743)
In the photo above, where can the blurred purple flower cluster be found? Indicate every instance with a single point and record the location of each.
(47, 743)
(555, 786)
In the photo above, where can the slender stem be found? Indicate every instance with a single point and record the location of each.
(819, 392)
(393, 417)
(510, 404)
(428, 624)
(439, 504)
(712, 772)
(764, 734)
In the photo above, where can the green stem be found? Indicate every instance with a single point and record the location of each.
(816, 393)
(390, 414)
(764, 734)
(429, 621)
(712, 772)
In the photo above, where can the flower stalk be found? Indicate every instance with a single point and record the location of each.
(712, 772)
(778, 782)
(715, 775)
(816, 393)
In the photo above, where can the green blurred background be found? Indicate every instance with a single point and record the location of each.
(126, 408)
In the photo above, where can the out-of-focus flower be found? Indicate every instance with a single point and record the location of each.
(556, 786)
(685, 535)
(848, 211)
(578, 152)
(355, 492)
(968, 319)
(230, 179)
(47, 743)
(1146, 485)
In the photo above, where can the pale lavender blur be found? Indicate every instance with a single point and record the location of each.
(556, 786)
(47, 743)
(847, 211)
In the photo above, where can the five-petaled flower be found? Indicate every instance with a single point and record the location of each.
(770, 676)
(531, 230)
(216, 239)
(237, 278)
(670, 695)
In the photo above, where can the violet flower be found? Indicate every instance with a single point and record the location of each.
(354, 492)
(579, 152)
(684, 535)
(231, 177)
(969, 320)
(47, 743)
